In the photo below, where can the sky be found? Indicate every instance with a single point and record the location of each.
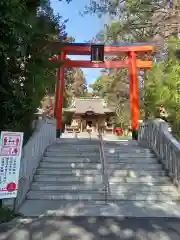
(81, 28)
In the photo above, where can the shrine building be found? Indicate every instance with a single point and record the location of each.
(90, 113)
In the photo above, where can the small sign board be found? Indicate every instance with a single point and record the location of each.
(10, 158)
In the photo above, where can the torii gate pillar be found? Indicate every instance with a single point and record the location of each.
(58, 111)
(134, 94)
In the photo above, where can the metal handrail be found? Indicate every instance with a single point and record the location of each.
(105, 178)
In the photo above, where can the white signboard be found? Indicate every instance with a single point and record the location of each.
(10, 158)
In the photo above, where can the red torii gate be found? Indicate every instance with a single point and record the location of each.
(131, 63)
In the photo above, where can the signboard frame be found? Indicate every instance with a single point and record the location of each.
(10, 159)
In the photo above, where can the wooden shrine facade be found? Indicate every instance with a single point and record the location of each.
(90, 114)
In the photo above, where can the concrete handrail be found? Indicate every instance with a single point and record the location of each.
(155, 134)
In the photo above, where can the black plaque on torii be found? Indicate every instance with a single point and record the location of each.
(97, 52)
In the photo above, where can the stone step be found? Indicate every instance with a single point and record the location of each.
(128, 150)
(143, 196)
(46, 186)
(115, 166)
(63, 179)
(115, 188)
(70, 172)
(74, 151)
(163, 209)
(116, 173)
(126, 143)
(74, 147)
(96, 155)
(74, 195)
(129, 157)
(56, 160)
(71, 154)
(136, 187)
(123, 142)
(129, 153)
(70, 165)
(131, 160)
(86, 179)
(96, 148)
(79, 159)
(97, 160)
(75, 142)
(136, 173)
(149, 179)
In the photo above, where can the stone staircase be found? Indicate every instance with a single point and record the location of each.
(136, 175)
(69, 181)
(69, 171)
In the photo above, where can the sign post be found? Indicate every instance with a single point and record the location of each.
(10, 158)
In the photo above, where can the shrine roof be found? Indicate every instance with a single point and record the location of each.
(84, 105)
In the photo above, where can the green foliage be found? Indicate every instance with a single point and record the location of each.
(143, 21)
(75, 84)
(130, 24)
(97, 86)
(113, 87)
(162, 87)
(138, 21)
(152, 94)
(7, 215)
(26, 75)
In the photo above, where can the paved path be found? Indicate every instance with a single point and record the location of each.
(92, 228)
